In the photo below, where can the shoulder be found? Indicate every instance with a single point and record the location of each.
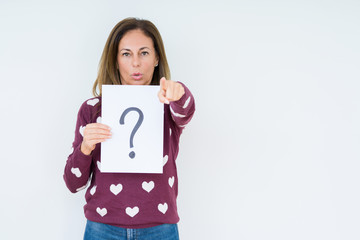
(91, 102)
(90, 108)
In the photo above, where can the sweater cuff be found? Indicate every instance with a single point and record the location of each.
(80, 157)
(184, 97)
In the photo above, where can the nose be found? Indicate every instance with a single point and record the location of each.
(136, 61)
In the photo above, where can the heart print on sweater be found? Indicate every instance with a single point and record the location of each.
(163, 208)
(171, 181)
(132, 211)
(148, 186)
(116, 189)
(76, 172)
(101, 211)
(93, 102)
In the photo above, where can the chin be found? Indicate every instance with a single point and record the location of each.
(138, 83)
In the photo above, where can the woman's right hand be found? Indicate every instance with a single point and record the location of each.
(94, 133)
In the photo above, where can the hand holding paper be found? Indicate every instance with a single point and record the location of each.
(94, 133)
(170, 91)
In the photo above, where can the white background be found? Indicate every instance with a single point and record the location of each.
(272, 152)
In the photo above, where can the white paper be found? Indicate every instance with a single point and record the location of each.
(147, 140)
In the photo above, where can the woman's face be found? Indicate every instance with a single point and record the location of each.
(136, 58)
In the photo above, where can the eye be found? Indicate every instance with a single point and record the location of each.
(126, 54)
(144, 53)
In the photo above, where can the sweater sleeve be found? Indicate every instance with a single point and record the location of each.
(78, 165)
(183, 110)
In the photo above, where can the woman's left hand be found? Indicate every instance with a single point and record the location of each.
(170, 91)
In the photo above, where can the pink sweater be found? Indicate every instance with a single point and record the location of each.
(129, 200)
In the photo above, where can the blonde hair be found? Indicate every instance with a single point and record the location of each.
(108, 72)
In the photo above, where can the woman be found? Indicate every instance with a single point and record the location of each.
(125, 205)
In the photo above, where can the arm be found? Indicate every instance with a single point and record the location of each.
(87, 134)
(78, 165)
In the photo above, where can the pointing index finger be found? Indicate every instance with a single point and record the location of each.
(163, 83)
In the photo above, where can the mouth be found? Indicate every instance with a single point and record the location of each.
(136, 76)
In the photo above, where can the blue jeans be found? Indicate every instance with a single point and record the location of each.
(100, 231)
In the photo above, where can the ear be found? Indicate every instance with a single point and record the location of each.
(157, 60)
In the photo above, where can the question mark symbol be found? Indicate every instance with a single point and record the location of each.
(138, 124)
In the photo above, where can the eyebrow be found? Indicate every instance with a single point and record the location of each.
(126, 49)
